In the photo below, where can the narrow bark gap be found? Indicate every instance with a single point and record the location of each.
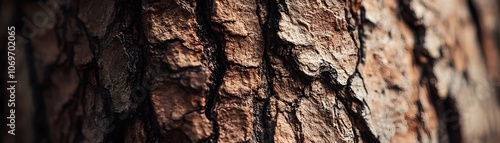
(359, 122)
(479, 32)
(299, 135)
(452, 117)
(213, 38)
(427, 77)
(347, 97)
(421, 120)
(354, 106)
(140, 84)
(260, 108)
(359, 23)
(151, 126)
(477, 24)
(136, 49)
(419, 136)
(269, 30)
(282, 49)
(268, 123)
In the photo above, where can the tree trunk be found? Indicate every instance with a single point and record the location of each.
(256, 71)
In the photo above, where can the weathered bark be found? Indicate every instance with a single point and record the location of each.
(259, 71)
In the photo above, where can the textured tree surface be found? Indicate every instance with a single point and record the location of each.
(256, 71)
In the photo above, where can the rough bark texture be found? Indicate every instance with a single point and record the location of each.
(259, 71)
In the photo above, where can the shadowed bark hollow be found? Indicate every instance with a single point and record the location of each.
(258, 71)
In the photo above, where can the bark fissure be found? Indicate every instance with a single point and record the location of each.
(427, 77)
(477, 24)
(269, 30)
(282, 50)
(215, 40)
(354, 107)
(351, 11)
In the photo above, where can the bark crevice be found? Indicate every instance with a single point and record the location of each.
(214, 45)
(428, 79)
(269, 30)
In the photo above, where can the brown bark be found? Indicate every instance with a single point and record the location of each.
(259, 71)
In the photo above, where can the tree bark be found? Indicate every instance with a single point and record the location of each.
(258, 71)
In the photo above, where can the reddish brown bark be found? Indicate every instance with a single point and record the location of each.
(259, 71)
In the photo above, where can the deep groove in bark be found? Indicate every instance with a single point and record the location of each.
(299, 135)
(354, 108)
(472, 7)
(477, 23)
(421, 120)
(282, 50)
(452, 116)
(346, 95)
(427, 77)
(269, 31)
(215, 40)
(359, 23)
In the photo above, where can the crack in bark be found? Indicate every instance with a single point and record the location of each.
(269, 30)
(329, 75)
(213, 38)
(476, 18)
(347, 96)
(135, 47)
(420, 119)
(299, 135)
(477, 23)
(359, 19)
(427, 77)
(354, 107)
